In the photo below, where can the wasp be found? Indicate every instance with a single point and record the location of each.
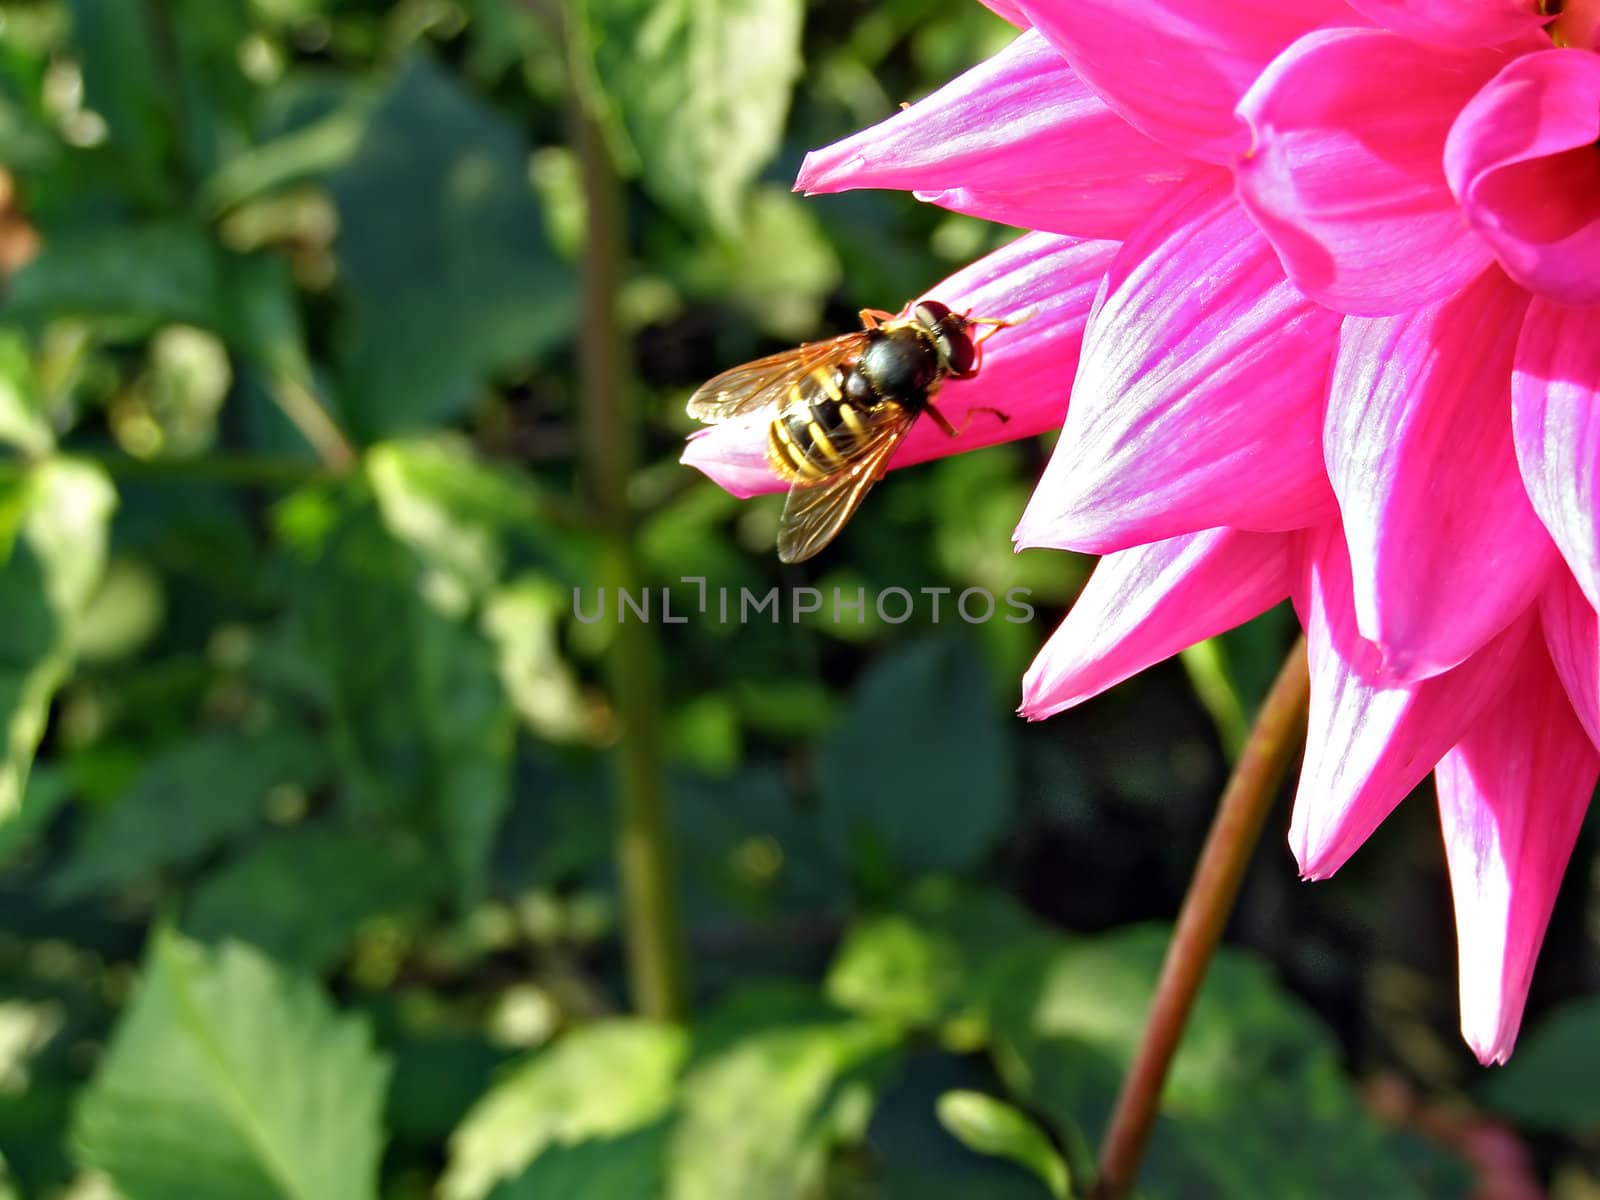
(840, 407)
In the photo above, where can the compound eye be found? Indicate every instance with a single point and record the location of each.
(958, 351)
(931, 313)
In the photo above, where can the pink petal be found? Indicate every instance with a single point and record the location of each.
(1446, 548)
(1144, 605)
(1522, 159)
(1455, 22)
(1017, 139)
(1198, 401)
(1555, 409)
(1176, 68)
(1049, 280)
(1370, 737)
(1007, 10)
(1344, 174)
(1572, 635)
(1512, 795)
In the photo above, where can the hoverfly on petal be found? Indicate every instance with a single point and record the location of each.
(839, 408)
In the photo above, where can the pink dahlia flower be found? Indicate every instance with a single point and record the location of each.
(1344, 349)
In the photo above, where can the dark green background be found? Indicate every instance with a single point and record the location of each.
(312, 891)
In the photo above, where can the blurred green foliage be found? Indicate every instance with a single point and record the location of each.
(306, 828)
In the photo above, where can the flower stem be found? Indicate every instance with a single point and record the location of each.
(1235, 830)
(609, 447)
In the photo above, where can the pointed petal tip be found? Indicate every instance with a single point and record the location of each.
(1030, 533)
(1036, 704)
(806, 177)
(1492, 1048)
(820, 171)
(1315, 862)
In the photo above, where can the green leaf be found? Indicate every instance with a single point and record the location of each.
(23, 423)
(702, 89)
(184, 803)
(919, 770)
(443, 254)
(27, 143)
(438, 1077)
(894, 967)
(1227, 676)
(453, 510)
(780, 267)
(146, 275)
(48, 789)
(1256, 1104)
(308, 152)
(617, 1168)
(759, 1115)
(62, 510)
(230, 1077)
(1550, 1082)
(992, 1126)
(301, 897)
(930, 962)
(122, 81)
(523, 621)
(599, 1081)
(422, 726)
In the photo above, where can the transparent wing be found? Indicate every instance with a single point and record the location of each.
(817, 509)
(766, 381)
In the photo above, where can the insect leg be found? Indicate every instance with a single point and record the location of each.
(871, 318)
(943, 422)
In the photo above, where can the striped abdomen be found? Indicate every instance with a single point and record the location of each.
(820, 430)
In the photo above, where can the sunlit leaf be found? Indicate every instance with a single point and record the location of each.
(929, 962)
(992, 1126)
(229, 1076)
(455, 511)
(894, 967)
(22, 420)
(702, 89)
(124, 613)
(780, 267)
(522, 619)
(309, 152)
(599, 1081)
(62, 510)
(757, 1115)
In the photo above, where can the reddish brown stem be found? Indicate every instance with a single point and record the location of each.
(1235, 830)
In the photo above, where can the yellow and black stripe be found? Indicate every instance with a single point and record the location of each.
(819, 431)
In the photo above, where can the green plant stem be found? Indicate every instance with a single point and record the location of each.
(1235, 830)
(609, 441)
(307, 415)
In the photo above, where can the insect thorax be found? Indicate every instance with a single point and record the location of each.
(901, 365)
